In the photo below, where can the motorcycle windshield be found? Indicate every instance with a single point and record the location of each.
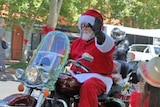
(51, 51)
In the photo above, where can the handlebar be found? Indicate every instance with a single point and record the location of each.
(78, 64)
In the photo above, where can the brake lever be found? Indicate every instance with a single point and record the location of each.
(78, 64)
(83, 67)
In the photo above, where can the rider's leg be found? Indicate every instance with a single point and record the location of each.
(90, 91)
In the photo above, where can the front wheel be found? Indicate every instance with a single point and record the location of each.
(20, 100)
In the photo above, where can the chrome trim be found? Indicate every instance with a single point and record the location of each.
(33, 86)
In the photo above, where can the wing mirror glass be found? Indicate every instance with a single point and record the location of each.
(87, 57)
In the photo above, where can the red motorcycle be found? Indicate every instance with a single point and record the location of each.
(47, 83)
(68, 88)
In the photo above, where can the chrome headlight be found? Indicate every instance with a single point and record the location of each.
(19, 73)
(45, 77)
(31, 74)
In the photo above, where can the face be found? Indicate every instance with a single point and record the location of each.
(87, 32)
(116, 34)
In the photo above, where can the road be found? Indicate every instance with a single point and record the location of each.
(8, 88)
(8, 84)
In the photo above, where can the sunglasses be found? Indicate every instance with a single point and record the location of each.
(116, 34)
(84, 25)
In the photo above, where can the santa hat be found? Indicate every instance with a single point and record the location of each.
(89, 17)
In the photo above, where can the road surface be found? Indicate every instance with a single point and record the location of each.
(8, 88)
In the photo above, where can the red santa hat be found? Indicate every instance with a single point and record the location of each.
(89, 17)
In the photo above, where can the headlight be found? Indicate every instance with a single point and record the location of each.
(31, 74)
(19, 73)
(45, 77)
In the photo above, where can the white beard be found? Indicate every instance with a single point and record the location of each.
(87, 36)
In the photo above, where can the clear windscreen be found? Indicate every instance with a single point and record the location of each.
(50, 51)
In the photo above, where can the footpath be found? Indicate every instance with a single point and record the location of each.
(9, 74)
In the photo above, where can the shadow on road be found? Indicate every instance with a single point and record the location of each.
(7, 76)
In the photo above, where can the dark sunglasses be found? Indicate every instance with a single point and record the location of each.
(116, 34)
(85, 25)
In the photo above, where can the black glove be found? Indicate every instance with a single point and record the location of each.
(97, 30)
(97, 26)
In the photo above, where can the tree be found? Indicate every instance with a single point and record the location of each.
(131, 13)
(136, 13)
(54, 10)
(31, 14)
(34, 13)
(71, 9)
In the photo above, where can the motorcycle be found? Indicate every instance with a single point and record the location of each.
(47, 82)
(42, 72)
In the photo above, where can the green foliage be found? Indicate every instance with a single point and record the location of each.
(142, 13)
(16, 65)
(26, 11)
(71, 9)
(132, 13)
(31, 13)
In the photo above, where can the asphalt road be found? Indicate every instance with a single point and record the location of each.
(8, 84)
(8, 88)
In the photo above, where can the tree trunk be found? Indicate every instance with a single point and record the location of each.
(54, 10)
(25, 46)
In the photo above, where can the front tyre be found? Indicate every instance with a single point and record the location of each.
(20, 100)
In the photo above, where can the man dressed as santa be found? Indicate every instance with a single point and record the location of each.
(101, 47)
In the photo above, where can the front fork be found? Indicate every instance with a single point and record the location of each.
(40, 98)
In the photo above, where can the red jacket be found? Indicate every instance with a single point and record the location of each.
(102, 63)
(135, 99)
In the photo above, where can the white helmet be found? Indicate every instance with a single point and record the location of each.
(118, 34)
(150, 71)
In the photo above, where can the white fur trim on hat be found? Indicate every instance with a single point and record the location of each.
(86, 19)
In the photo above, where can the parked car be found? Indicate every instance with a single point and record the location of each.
(142, 52)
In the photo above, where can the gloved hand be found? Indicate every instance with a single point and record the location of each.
(97, 30)
(97, 26)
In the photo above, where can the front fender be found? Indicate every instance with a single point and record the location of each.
(20, 100)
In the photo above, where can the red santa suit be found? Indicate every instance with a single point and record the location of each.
(98, 80)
